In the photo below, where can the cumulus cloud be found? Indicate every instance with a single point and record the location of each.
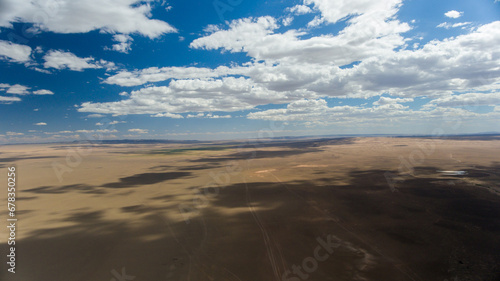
(155, 74)
(367, 58)
(8, 100)
(41, 124)
(372, 34)
(335, 11)
(299, 9)
(14, 134)
(66, 16)
(104, 131)
(317, 112)
(453, 14)
(468, 100)
(67, 60)
(20, 90)
(14, 52)
(116, 122)
(168, 115)
(194, 95)
(123, 45)
(453, 25)
(139, 131)
(384, 101)
(43, 92)
(208, 115)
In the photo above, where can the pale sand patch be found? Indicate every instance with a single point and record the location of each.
(310, 166)
(265, 171)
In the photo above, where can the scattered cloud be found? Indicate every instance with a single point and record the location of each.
(123, 45)
(155, 74)
(453, 25)
(317, 112)
(453, 14)
(168, 115)
(43, 92)
(366, 35)
(139, 131)
(384, 101)
(468, 100)
(68, 60)
(14, 134)
(8, 100)
(66, 16)
(208, 115)
(95, 115)
(18, 90)
(470, 60)
(14, 52)
(41, 124)
(299, 9)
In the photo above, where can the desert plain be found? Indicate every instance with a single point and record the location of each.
(361, 208)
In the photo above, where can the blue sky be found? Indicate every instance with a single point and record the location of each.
(234, 69)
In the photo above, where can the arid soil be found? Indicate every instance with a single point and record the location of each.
(305, 209)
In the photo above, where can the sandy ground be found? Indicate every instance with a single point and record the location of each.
(338, 209)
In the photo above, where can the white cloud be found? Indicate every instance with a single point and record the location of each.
(8, 100)
(105, 131)
(99, 124)
(335, 11)
(468, 100)
(373, 34)
(384, 101)
(193, 95)
(317, 112)
(316, 21)
(123, 45)
(14, 52)
(453, 14)
(287, 21)
(95, 115)
(168, 115)
(41, 124)
(139, 131)
(453, 25)
(66, 16)
(43, 92)
(67, 60)
(116, 122)
(299, 9)
(18, 90)
(465, 63)
(14, 134)
(155, 74)
(291, 66)
(208, 115)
